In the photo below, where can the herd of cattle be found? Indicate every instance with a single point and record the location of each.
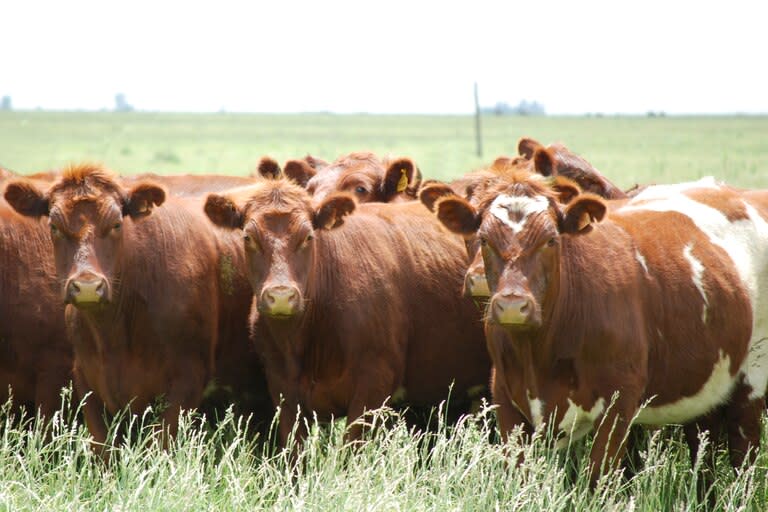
(329, 288)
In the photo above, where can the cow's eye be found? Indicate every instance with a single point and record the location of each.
(551, 242)
(361, 190)
(307, 241)
(55, 231)
(484, 242)
(247, 238)
(117, 226)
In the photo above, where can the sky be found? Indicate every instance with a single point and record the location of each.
(387, 57)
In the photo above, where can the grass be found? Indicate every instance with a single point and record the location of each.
(456, 467)
(628, 150)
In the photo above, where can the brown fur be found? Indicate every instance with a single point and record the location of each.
(596, 322)
(35, 357)
(173, 305)
(377, 304)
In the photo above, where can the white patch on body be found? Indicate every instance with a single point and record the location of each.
(641, 259)
(577, 422)
(536, 407)
(746, 243)
(713, 393)
(504, 205)
(697, 274)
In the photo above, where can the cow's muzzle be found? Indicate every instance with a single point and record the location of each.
(514, 311)
(280, 301)
(87, 291)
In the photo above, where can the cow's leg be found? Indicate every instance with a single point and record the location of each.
(610, 442)
(743, 419)
(186, 392)
(93, 410)
(373, 387)
(712, 425)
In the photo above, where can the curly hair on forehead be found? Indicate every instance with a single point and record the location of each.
(88, 179)
(516, 182)
(278, 194)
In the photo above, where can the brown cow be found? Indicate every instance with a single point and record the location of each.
(36, 358)
(664, 303)
(152, 293)
(191, 185)
(349, 310)
(364, 175)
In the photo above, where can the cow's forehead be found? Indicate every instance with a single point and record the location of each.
(514, 211)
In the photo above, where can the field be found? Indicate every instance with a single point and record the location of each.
(455, 467)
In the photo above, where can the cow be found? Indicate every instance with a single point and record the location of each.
(151, 290)
(363, 174)
(349, 309)
(36, 359)
(191, 185)
(662, 304)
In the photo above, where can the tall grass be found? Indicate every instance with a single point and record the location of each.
(396, 467)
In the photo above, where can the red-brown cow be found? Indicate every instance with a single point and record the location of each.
(191, 185)
(665, 302)
(36, 358)
(364, 175)
(152, 293)
(349, 310)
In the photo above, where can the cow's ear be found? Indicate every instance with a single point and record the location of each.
(299, 171)
(544, 162)
(527, 147)
(432, 192)
(142, 198)
(268, 168)
(223, 212)
(457, 215)
(331, 212)
(582, 213)
(397, 177)
(566, 189)
(416, 180)
(316, 163)
(26, 199)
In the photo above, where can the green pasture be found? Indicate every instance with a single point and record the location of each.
(628, 150)
(453, 468)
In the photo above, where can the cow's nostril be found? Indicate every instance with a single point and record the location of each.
(75, 286)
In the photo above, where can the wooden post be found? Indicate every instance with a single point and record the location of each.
(478, 135)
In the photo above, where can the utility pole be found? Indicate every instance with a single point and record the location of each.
(478, 135)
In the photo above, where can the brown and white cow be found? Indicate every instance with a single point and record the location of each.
(150, 291)
(364, 175)
(351, 309)
(664, 302)
(36, 358)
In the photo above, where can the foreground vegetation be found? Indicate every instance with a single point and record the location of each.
(628, 150)
(454, 467)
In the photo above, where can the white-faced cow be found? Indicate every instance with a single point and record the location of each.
(664, 302)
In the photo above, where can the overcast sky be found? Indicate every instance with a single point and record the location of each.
(573, 56)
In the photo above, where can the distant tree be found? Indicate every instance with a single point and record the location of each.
(524, 108)
(121, 105)
(5, 104)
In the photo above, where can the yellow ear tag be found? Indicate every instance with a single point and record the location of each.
(402, 183)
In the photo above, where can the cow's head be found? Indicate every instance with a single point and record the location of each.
(86, 208)
(520, 225)
(366, 177)
(279, 222)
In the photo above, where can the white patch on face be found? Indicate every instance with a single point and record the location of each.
(746, 243)
(641, 259)
(504, 205)
(537, 407)
(577, 422)
(697, 274)
(713, 393)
